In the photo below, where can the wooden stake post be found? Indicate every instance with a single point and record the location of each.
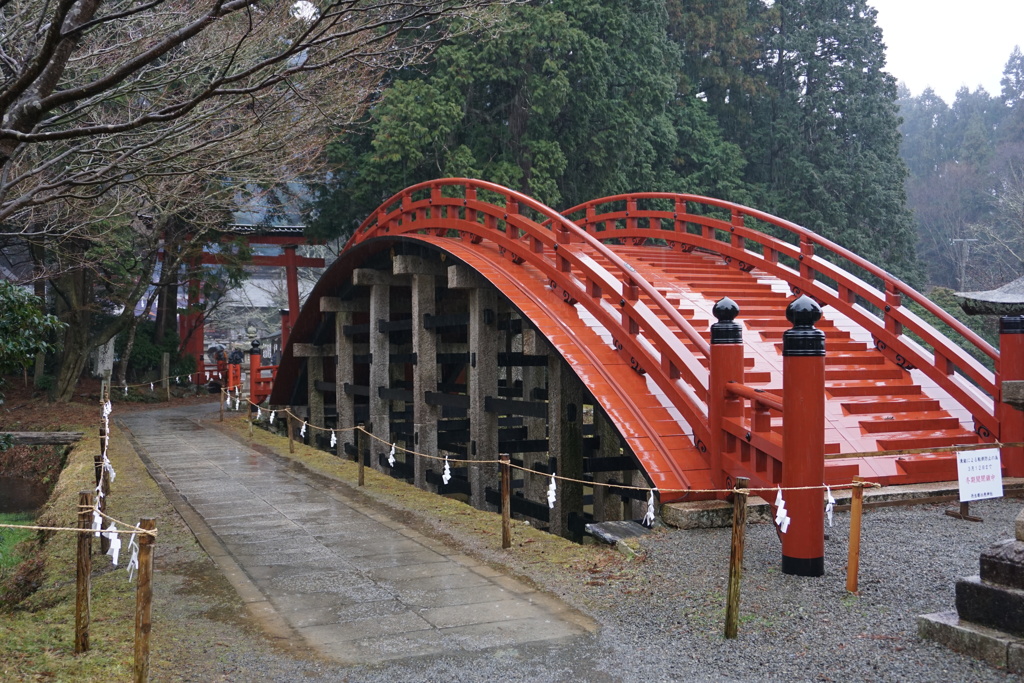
(853, 558)
(144, 601)
(360, 442)
(84, 572)
(291, 434)
(739, 526)
(506, 502)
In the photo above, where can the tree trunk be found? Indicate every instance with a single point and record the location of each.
(122, 365)
(76, 354)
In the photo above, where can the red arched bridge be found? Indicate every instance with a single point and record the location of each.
(466, 319)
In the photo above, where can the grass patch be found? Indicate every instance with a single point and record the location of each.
(197, 616)
(10, 538)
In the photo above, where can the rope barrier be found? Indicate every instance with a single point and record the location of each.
(547, 475)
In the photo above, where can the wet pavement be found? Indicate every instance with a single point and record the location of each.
(319, 568)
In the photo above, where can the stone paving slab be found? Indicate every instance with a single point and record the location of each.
(315, 565)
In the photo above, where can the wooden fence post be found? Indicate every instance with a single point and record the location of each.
(506, 502)
(360, 442)
(853, 558)
(739, 526)
(144, 600)
(84, 572)
(291, 434)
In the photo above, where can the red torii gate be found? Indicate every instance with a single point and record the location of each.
(191, 325)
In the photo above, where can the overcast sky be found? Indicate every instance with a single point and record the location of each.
(947, 44)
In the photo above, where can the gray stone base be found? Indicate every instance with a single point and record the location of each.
(999, 607)
(712, 514)
(995, 647)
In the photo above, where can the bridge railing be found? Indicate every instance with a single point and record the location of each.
(818, 267)
(526, 231)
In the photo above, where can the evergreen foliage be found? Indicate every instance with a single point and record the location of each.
(784, 106)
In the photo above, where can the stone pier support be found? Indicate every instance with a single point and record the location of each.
(380, 364)
(607, 504)
(565, 441)
(482, 380)
(344, 372)
(424, 343)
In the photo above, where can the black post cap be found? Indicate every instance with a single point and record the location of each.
(1011, 324)
(726, 330)
(255, 346)
(803, 339)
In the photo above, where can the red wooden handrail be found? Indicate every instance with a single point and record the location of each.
(526, 231)
(730, 239)
(772, 401)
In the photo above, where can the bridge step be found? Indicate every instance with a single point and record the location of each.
(890, 404)
(843, 389)
(910, 424)
(866, 372)
(937, 439)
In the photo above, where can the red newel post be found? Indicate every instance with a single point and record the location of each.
(726, 365)
(1011, 369)
(255, 359)
(803, 438)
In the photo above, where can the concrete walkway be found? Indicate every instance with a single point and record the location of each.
(317, 566)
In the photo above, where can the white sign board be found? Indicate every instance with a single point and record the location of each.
(981, 474)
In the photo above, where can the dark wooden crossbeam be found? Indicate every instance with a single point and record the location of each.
(516, 359)
(612, 464)
(520, 505)
(356, 390)
(453, 400)
(504, 406)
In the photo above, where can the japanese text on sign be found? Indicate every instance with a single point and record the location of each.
(980, 474)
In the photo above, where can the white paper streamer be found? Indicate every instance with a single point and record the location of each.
(551, 492)
(227, 401)
(273, 414)
(334, 439)
(109, 467)
(830, 504)
(446, 476)
(97, 523)
(151, 389)
(259, 413)
(125, 389)
(781, 515)
(115, 542)
(177, 380)
(133, 562)
(391, 456)
(302, 432)
(238, 402)
(649, 516)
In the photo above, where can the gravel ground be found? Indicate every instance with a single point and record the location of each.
(662, 614)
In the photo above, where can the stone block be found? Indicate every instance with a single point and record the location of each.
(1015, 657)
(1013, 393)
(1003, 563)
(998, 607)
(711, 514)
(964, 637)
